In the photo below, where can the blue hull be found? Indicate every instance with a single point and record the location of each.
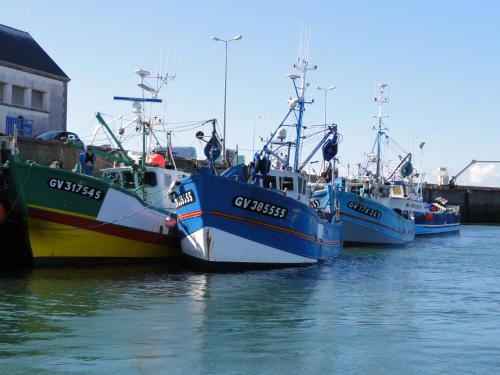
(437, 223)
(227, 221)
(423, 230)
(369, 222)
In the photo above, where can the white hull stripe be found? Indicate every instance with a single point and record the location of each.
(214, 245)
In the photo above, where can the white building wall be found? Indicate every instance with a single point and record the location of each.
(53, 114)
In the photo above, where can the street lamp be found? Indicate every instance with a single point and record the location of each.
(214, 38)
(331, 88)
(253, 138)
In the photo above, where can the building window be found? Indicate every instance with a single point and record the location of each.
(17, 95)
(2, 88)
(37, 99)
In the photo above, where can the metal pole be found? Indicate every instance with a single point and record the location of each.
(225, 95)
(325, 109)
(253, 138)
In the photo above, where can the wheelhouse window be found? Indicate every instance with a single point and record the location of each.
(128, 180)
(270, 182)
(113, 176)
(150, 179)
(286, 183)
(397, 190)
(383, 192)
(302, 185)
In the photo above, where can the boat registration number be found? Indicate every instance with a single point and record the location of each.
(184, 198)
(74, 187)
(315, 203)
(364, 210)
(260, 207)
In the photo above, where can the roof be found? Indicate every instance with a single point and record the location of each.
(19, 48)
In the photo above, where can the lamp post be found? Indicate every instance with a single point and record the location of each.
(331, 88)
(237, 37)
(253, 138)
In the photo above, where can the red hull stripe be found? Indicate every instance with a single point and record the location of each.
(102, 227)
(371, 222)
(189, 215)
(276, 227)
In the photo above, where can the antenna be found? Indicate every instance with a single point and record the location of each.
(381, 98)
(297, 104)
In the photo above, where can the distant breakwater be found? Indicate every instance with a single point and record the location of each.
(478, 204)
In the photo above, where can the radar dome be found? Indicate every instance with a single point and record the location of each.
(281, 134)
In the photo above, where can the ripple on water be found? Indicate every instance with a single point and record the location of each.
(431, 306)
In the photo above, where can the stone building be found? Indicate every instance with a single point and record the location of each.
(33, 89)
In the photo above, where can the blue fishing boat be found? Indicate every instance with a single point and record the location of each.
(259, 214)
(364, 203)
(365, 220)
(435, 217)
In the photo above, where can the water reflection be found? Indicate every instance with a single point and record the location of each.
(392, 310)
(249, 315)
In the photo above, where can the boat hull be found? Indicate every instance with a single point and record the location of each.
(227, 221)
(429, 222)
(425, 230)
(366, 221)
(369, 222)
(69, 216)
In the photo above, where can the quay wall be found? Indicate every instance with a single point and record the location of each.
(44, 152)
(478, 204)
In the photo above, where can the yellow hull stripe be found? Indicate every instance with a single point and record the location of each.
(50, 239)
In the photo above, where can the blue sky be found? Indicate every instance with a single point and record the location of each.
(441, 58)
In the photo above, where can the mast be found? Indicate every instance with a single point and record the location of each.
(137, 104)
(302, 66)
(381, 99)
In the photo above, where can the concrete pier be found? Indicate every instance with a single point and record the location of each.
(477, 204)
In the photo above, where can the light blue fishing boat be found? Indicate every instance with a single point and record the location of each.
(364, 204)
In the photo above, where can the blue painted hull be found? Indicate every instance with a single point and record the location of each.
(369, 222)
(226, 221)
(441, 222)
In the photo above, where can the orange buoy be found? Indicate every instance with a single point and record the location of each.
(428, 216)
(3, 212)
(156, 159)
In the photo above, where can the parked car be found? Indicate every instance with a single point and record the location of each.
(61, 136)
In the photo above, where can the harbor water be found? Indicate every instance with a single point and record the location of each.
(431, 306)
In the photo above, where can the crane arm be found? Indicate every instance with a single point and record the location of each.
(454, 178)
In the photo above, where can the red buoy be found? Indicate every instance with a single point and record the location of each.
(156, 160)
(428, 216)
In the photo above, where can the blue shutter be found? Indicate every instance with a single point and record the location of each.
(24, 126)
